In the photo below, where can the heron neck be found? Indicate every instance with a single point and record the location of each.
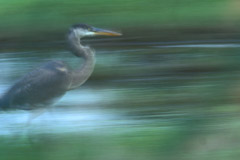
(84, 71)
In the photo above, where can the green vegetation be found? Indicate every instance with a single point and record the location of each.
(51, 18)
(135, 143)
(184, 100)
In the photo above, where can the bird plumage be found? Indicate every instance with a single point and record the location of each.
(51, 80)
(39, 87)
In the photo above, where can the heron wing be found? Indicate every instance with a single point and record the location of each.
(41, 85)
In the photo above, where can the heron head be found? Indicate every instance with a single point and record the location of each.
(83, 30)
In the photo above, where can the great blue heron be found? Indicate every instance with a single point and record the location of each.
(50, 81)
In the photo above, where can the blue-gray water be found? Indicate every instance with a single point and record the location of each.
(169, 99)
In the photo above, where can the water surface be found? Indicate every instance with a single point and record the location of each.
(149, 98)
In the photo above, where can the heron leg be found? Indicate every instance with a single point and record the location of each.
(34, 114)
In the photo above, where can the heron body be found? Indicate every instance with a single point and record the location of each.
(53, 79)
(39, 87)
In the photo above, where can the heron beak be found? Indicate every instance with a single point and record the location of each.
(98, 31)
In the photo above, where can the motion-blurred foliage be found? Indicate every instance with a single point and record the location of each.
(172, 78)
(51, 17)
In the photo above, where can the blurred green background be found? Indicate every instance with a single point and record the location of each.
(170, 84)
(40, 19)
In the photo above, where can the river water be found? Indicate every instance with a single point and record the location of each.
(154, 98)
